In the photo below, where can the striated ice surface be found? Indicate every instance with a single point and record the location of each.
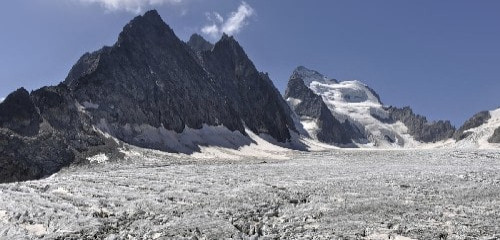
(347, 194)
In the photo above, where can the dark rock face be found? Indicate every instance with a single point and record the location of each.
(496, 136)
(25, 158)
(150, 77)
(19, 114)
(312, 106)
(250, 93)
(63, 134)
(199, 44)
(475, 121)
(419, 127)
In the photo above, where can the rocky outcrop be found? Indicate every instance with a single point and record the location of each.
(199, 44)
(308, 105)
(495, 138)
(419, 127)
(44, 131)
(475, 121)
(19, 114)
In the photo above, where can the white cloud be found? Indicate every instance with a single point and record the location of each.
(211, 30)
(1, 99)
(232, 25)
(134, 6)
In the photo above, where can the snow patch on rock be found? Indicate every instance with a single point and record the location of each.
(293, 101)
(35, 229)
(99, 158)
(90, 105)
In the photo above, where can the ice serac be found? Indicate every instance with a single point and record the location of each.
(314, 115)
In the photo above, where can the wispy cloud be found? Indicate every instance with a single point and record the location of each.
(232, 25)
(134, 6)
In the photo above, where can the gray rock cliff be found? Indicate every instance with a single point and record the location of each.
(418, 126)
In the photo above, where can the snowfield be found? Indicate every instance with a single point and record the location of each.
(347, 194)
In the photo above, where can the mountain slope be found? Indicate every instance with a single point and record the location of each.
(152, 80)
(315, 116)
(360, 106)
(481, 131)
(44, 131)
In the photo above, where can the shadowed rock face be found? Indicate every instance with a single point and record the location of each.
(496, 136)
(475, 121)
(199, 44)
(419, 127)
(19, 114)
(312, 106)
(249, 92)
(63, 134)
(150, 77)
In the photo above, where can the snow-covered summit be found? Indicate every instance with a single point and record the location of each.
(355, 105)
(309, 76)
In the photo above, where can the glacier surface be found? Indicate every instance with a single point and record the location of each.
(220, 193)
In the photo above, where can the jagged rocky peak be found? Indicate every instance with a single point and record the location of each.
(148, 29)
(19, 114)
(199, 44)
(418, 126)
(228, 47)
(250, 93)
(151, 79)
(308, 76)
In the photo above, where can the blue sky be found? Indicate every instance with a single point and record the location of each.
(442, 58)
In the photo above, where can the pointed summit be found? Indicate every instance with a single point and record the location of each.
(309, 76)
(199, 44)
(152, 14)
(19, 114)
(148, 28)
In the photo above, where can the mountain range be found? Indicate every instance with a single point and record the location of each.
(152, 90)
